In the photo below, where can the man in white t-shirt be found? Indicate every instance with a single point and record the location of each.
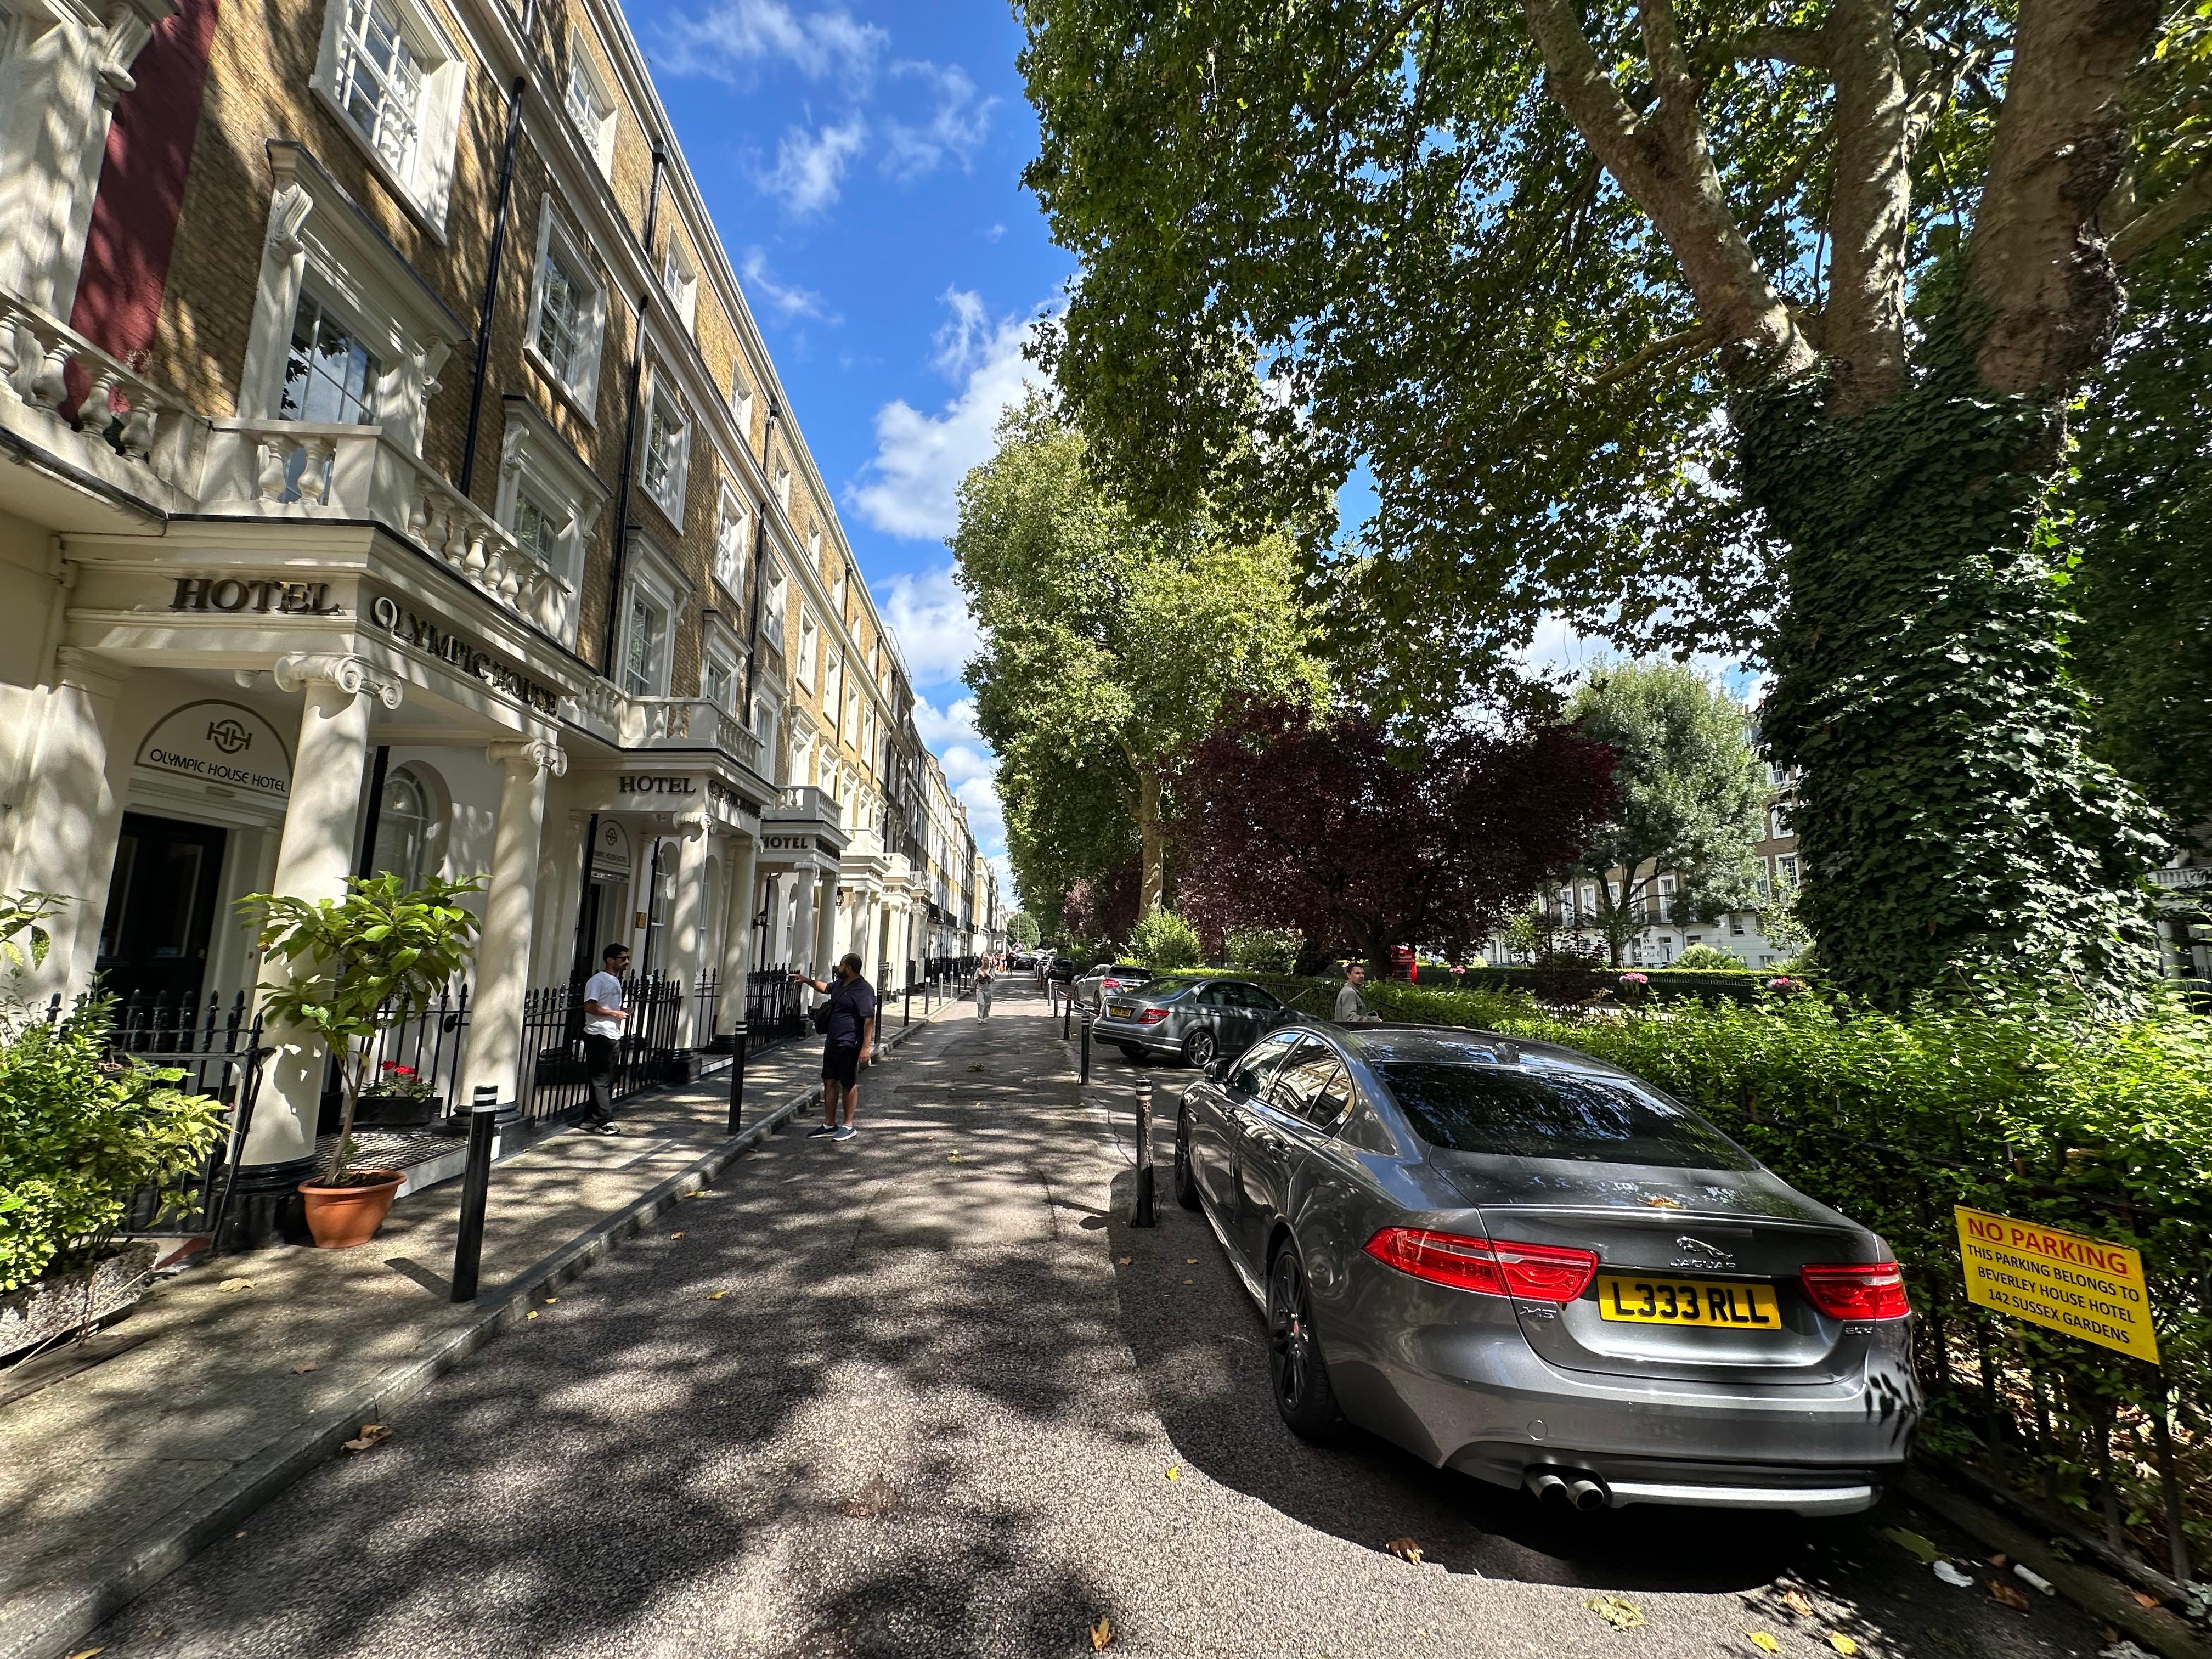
(604, 1015)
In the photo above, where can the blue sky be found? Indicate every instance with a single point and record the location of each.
(862, 166)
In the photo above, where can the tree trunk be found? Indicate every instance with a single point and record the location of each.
(1955, 827)
(1152, 890)
(348, 1070)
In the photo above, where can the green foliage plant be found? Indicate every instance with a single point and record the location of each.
(1753, 329)
(1691, 796)
(1109, 644)
(351, 965)
(81, 1133)
(1164, 942)
(1709, 958)
(23, 937)
(1264, 949)
(1022, 929)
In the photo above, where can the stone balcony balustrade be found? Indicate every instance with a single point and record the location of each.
(117, 427)
(685, 723)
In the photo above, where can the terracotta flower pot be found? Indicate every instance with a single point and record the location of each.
(343, 1217)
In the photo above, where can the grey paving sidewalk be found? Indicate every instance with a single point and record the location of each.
(112, 1476)
(925, 1394)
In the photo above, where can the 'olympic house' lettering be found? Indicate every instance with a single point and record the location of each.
(463, 653)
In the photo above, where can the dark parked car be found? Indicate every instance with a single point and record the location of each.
(1196, 1021)
(1106, 977)
(1521, 1263)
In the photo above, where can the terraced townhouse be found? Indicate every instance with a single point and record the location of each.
(395, 479)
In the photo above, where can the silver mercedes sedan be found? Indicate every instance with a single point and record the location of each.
(1195, 1020)
(1519, 1262)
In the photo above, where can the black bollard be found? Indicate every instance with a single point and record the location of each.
(1144, 1216)
(1085, 1075)
(738, 1081)
(907, 1018)
(475, 1189)
(1066, 1014)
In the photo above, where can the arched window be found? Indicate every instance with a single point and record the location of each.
(410, 825)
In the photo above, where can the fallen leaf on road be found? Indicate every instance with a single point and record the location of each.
(676, 1235)
(86, 1653)
(372, 1435)
(550, 1300)
(235, 1284)
(2011, 1597)
(2000, 1559)
(2145, 1597)
(532, 1314)
(716, 1296)
(975, 1066)
(1621, 1615)
(1763, 1641)
(1175, 1470)
(1913, 1543)
(1842, 1643)
(952, 1157)
(1102, 1633)
(1190, 1261)
(1123, 1260)
(1190, 1281)
(1798, 1602)
(307, 1366)
(1404, 1549)
(1659, 1202)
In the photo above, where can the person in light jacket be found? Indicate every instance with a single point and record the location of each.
(1352, 1008)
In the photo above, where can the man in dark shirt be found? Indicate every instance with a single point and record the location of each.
(851, 1034)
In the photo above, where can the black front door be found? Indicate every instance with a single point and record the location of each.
(160, 907)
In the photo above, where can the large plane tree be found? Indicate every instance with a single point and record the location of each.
(1696, 323)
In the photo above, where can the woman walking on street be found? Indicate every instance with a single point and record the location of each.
(983, 988)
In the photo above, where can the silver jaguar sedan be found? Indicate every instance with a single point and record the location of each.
(1196, 1021)
(1519, 1262)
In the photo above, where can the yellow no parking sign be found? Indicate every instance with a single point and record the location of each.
(2082, 1286)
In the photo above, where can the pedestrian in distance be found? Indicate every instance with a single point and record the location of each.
(848, 1026)
(606, 1013)
(983, 977)
(1352, 1008)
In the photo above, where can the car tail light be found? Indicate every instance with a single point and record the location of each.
(1109, 984)
(1152, 1016)
(1856, 1291)
(1535, 1273)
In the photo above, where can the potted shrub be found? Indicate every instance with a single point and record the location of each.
(378, 955)
(82, 1135)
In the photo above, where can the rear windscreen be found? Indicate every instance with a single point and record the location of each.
(1491, 1109)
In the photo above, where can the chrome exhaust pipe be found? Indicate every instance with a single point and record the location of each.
(1588, 1493)
(1545, 1483)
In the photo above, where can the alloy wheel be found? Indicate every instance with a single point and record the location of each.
(1201, 1050)
(1290, 1331)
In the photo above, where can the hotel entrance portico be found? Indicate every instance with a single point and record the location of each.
(225, 720)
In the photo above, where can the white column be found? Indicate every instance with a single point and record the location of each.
(687, 927)
(825, 923)
(494, 1052)
(65, 824)
(737, 857)
(314, 858)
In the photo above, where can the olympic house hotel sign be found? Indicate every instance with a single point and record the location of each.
(223, 743)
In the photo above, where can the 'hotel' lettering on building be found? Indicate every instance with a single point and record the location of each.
(238, 594)
(656, 785)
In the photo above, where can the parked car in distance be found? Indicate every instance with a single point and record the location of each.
(1061, 971)
(1194, 1020)
(1109, 977)
(1519, 1262)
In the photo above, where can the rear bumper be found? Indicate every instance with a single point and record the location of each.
(1819, 1449)
(1150, 1038)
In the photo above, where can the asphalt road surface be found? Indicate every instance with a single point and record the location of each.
(926, 1394)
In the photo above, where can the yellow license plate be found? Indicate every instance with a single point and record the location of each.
(1122, 1010)
(1654, 1301)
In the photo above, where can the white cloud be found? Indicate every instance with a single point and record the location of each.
(910, 488)
(730, 40)
(937, 634)
(987, 819)
(956, 724)
(956, 127)
(810, 166)
(788, 302)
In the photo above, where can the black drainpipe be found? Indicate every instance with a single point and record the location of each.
(630, 428)
(498, 245)
(760, 563)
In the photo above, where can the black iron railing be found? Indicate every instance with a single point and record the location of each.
(775, 1007)
(555, 1076)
